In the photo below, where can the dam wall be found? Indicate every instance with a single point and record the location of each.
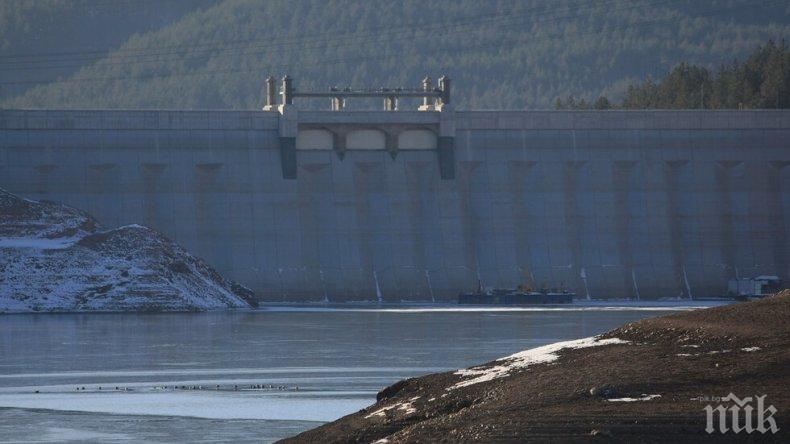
(350, 205)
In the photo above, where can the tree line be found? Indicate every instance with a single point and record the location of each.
(761, 81)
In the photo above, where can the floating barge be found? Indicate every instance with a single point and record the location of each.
(515, 297)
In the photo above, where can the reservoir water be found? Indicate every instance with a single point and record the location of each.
(253, 376)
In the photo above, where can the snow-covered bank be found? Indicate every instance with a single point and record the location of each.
(57, 258)
(524, 359)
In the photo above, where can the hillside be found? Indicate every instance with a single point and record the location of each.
(58, 258)
(47, 40)
(648, 381)
(501, 54)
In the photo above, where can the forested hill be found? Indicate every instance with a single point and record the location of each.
(762, 81)
(41, 40)
(500, 54)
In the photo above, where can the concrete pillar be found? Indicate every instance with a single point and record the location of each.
(271, 90)
(446, 152)
(339, 141)
(338, 102)
(446, 142)
(391, 143)
(287, 91)
(444, 86)
(390, 103)
(288, 130)
(288, 157)
(270, 94)
(427, 102)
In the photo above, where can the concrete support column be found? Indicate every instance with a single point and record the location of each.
(288, 157)
(391, 103)
(446, 143)
(270, 94)
(427, 102)
(288, 130)
(446, 153)
(392, 142)
(444, 86)
(287, 91)
(339, 142)
(338, 102)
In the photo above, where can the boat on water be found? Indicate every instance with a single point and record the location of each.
(515, 297)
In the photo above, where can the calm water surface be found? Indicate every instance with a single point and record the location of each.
(338, 359)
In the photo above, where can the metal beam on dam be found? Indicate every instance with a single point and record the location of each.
(418, 205)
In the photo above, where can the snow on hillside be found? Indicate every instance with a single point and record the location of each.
(57, 258)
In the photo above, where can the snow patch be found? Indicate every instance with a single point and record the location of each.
(712, 352)
(526, 358)
(751, 349)
(405, 407)
(133, 226)
(642, 398)
(38, 243)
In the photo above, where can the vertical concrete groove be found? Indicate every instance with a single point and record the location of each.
(519, 173)
(573, 222)
(777, 216)
(725, 208)
(621, 182)
(420, 193)
(672, 176)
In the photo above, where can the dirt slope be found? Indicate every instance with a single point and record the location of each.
(569, 393)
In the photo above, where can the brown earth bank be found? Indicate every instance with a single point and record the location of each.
(690, 359)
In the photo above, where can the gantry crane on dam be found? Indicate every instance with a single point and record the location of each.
(434, 99)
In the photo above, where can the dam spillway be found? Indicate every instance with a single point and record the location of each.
(348, 205)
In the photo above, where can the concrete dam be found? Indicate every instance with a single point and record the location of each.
(419, 205)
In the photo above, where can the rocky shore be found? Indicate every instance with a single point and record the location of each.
(648, 381)
(55, 258)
